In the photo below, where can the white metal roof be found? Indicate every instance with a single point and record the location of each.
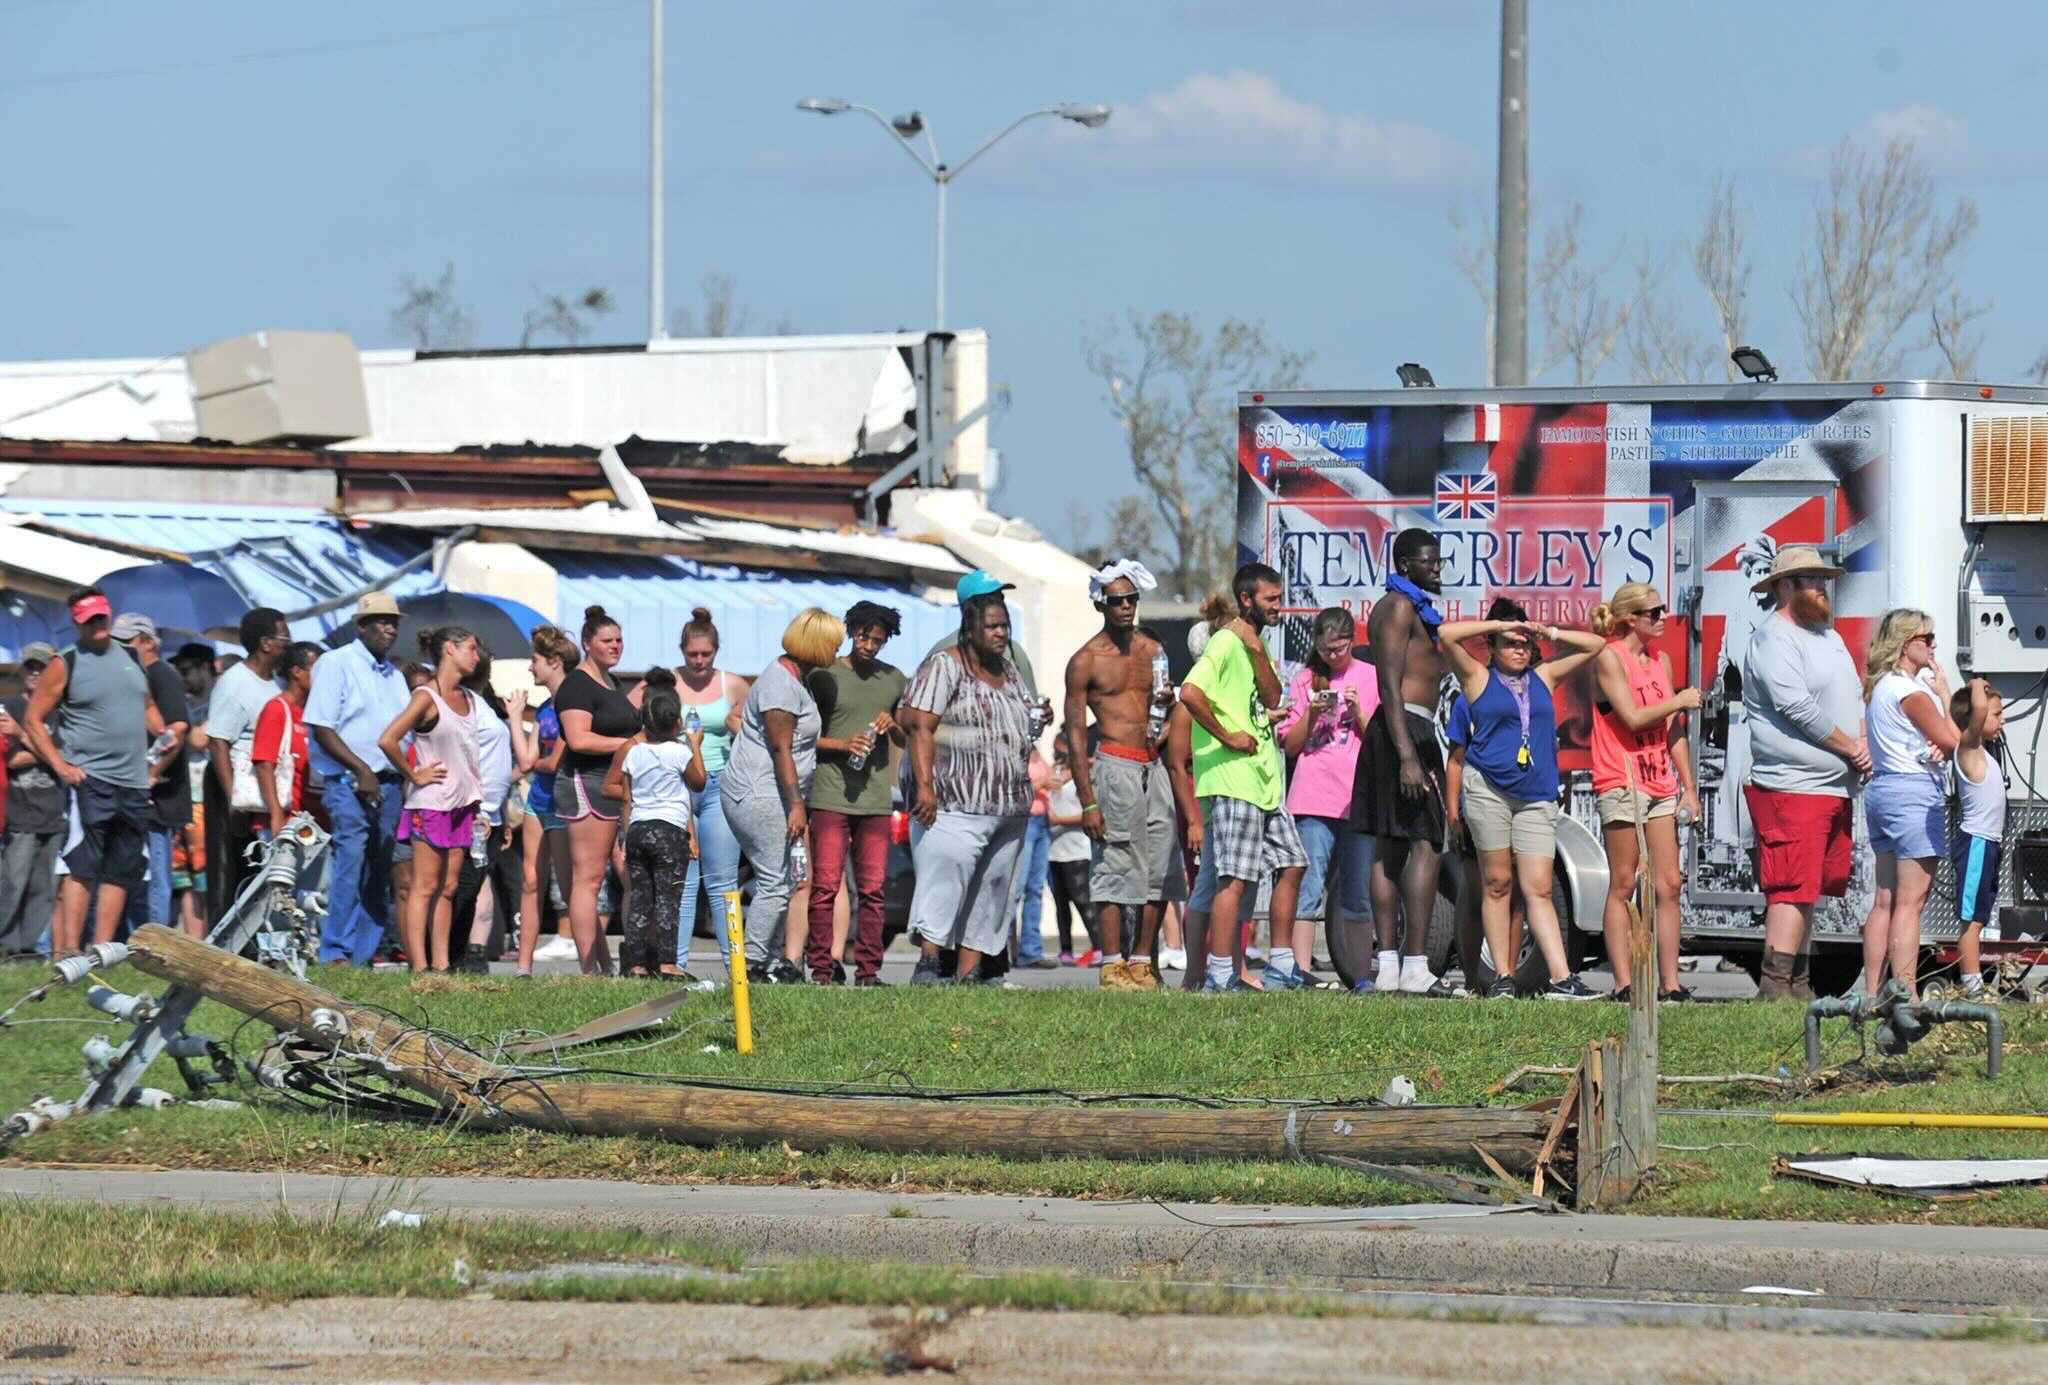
(810, 396)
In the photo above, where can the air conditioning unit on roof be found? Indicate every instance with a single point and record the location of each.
(279, 387)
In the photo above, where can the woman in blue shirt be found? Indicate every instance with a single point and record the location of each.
(1508, 798)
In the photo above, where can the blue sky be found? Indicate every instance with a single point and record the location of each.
(1290, 163)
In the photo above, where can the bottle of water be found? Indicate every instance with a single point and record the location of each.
(1155, 724)
(478, 838)
(799, 865)
(692, 723)
(858, 758)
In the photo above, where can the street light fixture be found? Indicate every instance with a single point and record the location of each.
(905, 127)
(1754, 364)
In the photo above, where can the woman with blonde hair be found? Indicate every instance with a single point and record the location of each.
(767, 779)
(1642, 772)
(1905, 805)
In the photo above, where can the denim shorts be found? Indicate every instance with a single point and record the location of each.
(1906, 815)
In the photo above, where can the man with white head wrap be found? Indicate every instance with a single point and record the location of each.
(1126, 801)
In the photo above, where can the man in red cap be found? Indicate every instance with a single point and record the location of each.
(107, 708)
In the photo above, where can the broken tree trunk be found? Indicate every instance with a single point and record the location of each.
(467, 1086)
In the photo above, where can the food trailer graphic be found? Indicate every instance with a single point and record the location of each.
(1930, 495)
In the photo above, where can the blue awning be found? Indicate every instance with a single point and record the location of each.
(25, 619)
(651, 598)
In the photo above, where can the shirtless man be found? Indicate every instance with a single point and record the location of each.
(1126, 801)
(1399, 794)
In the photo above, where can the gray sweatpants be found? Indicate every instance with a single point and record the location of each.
(762, 826)
(28, 889)
(966, 863)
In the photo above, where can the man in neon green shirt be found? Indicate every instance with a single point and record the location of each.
(1240, 780)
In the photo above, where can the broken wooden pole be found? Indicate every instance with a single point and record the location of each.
(468, 1086)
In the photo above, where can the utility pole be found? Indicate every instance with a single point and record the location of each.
(1511, 245)
(655, 251)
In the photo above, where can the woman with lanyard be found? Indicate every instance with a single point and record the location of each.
(1905, 805)
(767, 779)
(1642, 769)
(544, 837)
(717, 697)
(1509, 795)
(596, 720)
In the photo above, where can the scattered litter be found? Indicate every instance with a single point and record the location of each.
(394, 1217)
(1399, 1092)
(649, 1014)
(1929, 1178)
(1781, 1289)
(709, 1048)
(460, 1272)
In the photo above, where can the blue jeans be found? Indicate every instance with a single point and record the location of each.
(152, 902)
(717, 866)
(1332, 838)
(1031, 880)
(359, 870)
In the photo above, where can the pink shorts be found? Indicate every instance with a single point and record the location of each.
(438, 827)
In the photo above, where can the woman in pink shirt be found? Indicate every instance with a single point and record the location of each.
(1642, 772)
(1328, 704)
(444, 789)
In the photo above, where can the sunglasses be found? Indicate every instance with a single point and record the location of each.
(1927, 635)
(1524, 646)
(1114, 600)
(1652, 612)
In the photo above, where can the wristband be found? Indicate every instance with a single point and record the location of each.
(1091, 807)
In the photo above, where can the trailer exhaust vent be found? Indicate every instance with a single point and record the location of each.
(2007, 470)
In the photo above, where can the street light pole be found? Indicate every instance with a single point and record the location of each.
(904, 127)
(656, 290)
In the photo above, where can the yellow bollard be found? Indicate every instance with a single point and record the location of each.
(736, 948)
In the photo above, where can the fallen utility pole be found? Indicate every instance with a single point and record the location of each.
(467, 1087)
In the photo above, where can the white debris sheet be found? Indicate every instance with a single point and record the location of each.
(1916, 1176)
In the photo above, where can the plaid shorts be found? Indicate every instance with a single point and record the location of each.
(1246, 841)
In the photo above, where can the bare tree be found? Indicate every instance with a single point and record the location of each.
(1132, 531)
(1883, 256)
(1171, 387)
(1582, 324)
(429, 315)
(569, 318)
(1472, 246)
(1662, 348)
(1721, 260)
(1949, 324)
(720, 313)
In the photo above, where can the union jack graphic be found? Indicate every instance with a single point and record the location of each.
(1466, 495)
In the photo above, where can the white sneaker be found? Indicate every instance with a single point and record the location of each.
(1389, 978)
(556, 949)
(1416, 980)
(1255, 954)
(1173, 959)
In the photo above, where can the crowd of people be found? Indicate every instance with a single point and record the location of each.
(141, 787)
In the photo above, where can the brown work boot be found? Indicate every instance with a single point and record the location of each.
(1802, 985)
(1142, 975)
(1116, 976)
(1776, 983)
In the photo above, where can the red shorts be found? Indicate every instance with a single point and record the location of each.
(1803, 844)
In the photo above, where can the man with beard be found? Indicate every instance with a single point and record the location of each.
(1231, 694)
(1398, 793)
(1126, 802)
(358, 691)
(1806, 746)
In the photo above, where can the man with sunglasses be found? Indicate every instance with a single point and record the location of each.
(1126, 800)
(1804, 703)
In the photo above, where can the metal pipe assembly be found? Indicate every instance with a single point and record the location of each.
(1903, 1022)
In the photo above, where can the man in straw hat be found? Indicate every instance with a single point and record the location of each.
(1804, 702)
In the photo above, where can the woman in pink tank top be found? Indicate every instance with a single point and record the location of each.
(444, 789)
(1642, 771)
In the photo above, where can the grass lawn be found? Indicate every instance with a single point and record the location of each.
(173, 1253)
(1321, 1046)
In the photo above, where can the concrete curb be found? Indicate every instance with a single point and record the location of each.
(1930, 1268)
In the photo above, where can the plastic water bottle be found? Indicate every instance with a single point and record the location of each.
(692, 723)
(799, 865)
(858, 758)
(1155, 724)
(477, 839)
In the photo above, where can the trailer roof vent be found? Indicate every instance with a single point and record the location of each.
(2007, 470)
